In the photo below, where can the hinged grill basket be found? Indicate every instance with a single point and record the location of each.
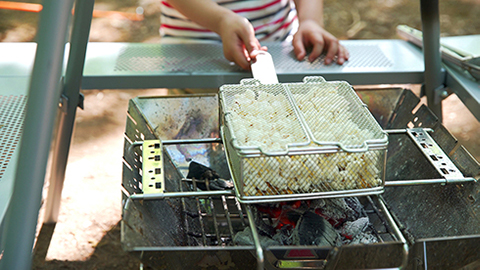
(307, 140)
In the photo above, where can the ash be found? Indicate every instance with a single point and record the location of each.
(328, 222)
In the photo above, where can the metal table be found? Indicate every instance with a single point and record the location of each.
(12, 113)
(135, 65)
(115, 65)
(459, 81)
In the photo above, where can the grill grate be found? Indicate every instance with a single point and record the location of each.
(221, 218)
(218, 218)
(12, 110)
(209, 58)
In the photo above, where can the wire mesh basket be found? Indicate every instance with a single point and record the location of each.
(306, 140)
(335, 115)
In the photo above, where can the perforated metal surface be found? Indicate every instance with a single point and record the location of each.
(363, 56)
(200, 58)
(172, 58)
(12, 109)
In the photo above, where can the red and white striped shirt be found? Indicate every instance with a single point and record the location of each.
(273, 20)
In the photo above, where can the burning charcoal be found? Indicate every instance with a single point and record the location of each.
(337, 211)
(356, 208)
(217, 184)
(284, 213)
(262, 227)
(244, 238)
(352, 228)
(312, 229)
(284, 235)
(364, 238)
(355, 232)
(198, 171)
(201, 172)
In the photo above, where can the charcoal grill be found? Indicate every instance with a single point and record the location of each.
(416, 219)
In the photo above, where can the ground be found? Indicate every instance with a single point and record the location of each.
(87, 235)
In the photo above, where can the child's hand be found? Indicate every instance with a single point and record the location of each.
(311, 34)
(239, 41)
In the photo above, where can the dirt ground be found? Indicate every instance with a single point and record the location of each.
(87, 235)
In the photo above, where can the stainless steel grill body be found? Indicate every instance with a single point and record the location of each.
(195, 232)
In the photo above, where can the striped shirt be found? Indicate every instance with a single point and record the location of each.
(273, 20)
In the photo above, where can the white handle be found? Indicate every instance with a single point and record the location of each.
(263, 68)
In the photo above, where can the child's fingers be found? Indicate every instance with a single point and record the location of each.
(298, 48)
(241, 58)
(331, 52)
(318, 46)
(342, 55)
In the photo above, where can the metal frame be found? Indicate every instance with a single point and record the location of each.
(46, 87)
(71, 100)
(431, 51)
(259, 252)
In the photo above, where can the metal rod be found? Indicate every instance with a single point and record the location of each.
(397, 232)
(256, 239)
(161, 196)
(306, 196)
(404, 130)
(200, 216)
(184, 211)
(44, 93)
(425, 261)
(215, 222)
(227, 216)
(381, 218)
(73, 77)
(131, 154)
(166, 195)
(428, 182)
(183, 141)
(240, 211)
(431, 50)
(192, 141)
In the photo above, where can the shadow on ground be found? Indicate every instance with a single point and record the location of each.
(108, 253)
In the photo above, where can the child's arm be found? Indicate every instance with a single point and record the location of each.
(236, 32)
(312, 34)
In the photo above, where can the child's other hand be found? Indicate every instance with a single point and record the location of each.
(310, 34)
(239, 41)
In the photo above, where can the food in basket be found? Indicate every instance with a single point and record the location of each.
(311, 173)
(330, 116)
(265, 120)
(268, 121)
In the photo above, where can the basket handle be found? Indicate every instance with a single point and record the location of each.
(263, 68)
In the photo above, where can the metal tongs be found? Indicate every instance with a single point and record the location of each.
(468, 62)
